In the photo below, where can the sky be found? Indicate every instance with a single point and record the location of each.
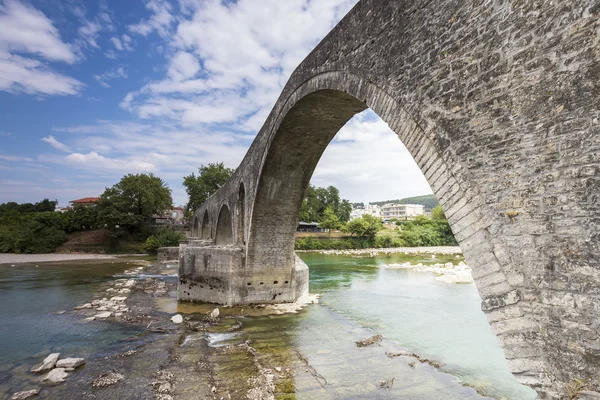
(91, 91)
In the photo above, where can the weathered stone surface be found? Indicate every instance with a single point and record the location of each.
(48, 363)
(70, 362)
(177, 319)
(56, 376)
(25, 394)
(498, 104)
(165, 254)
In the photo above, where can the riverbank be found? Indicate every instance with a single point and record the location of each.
(444, 250)
(10, 258)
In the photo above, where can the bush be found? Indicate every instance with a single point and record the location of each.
(163, 238)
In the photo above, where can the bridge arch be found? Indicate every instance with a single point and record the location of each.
(240, 213)
(205, 229)
(224, 230)
(196, 227)
(309, 120)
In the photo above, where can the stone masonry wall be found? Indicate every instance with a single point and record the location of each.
(498, 103)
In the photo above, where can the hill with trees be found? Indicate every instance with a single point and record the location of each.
(428, 201)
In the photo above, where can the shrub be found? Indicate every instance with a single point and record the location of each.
(163, 238)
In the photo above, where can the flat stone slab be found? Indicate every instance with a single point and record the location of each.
(56, 376)
(103, 315)
(48, 363)
(70, 362)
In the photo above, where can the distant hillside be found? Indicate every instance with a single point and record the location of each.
(428, 201)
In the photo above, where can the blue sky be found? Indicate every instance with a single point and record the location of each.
(91, 91)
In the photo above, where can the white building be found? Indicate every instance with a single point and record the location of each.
(373, 210)
(401, 211)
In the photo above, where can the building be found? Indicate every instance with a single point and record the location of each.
(309, 227)
(172, 216)
(86, 201)
(401, 211)
(370, 209)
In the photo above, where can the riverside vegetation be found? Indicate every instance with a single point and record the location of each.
(368, 232)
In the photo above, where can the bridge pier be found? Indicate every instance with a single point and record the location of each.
(216, 274)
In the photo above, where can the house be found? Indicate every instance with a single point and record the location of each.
(309, 227)
(86, 201)
(173, 216)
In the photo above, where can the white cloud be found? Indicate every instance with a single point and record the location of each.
(160, 20)
(27, 30)
(55, 143)
(368, 162)
(109, 75)
(183, 66)
(124, 43)
(25, 75)
(117, 43)
(7, 157)
(89, 32)
(95, 161)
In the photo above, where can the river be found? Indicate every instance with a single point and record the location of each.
(360, 297)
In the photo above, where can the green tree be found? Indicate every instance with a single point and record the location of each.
(317, 199)
(344, 211)
(365, 226)
(330, 220)
(210, 178)
(437, 214)
(134, 200)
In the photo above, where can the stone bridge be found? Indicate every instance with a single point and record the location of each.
(498, 103)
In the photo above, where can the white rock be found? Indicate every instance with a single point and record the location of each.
(103, 314)
(177, 319)
(88, 319)
(56, 376)
(214, 314)
(103, 308)
(70, 362)
(25, 394)
(118, 314)
(48, 363)
(86, 305)
(118, 298)
(122, 291)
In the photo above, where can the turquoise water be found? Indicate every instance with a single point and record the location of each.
(434, 319)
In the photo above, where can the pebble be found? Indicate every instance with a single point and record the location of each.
(177, 319)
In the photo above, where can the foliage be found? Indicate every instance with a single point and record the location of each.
(15, 208)
(317, 199)
(134, 200)
(365, 226)
(437, 214)
(425, 231)
(210, 178)
(34, 232)
(163, 238)
(428, 201)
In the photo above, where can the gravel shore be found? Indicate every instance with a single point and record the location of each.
(6, 258)
(447, 250)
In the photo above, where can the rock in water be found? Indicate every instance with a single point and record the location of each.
(177, 319)
(70, 362)
(48, 363)
(56, 376)
(214, 314)
(103, 314)
(25, 394)
(107, 379)
(369, 341)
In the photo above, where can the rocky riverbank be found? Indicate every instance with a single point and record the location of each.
(444, 250)
(448, 272)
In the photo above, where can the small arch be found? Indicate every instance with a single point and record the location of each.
(239, 215)
(224, 234)
(205, 231)
(196, 227)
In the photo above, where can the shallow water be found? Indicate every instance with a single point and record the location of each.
(31, 295)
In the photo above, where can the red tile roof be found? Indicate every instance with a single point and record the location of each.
(85, 200)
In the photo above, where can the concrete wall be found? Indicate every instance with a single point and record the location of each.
(498, 103)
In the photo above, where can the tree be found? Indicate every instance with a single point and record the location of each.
(210, 178)
(317, 199)
(134, 200)
(365, 226)
(330, 220)
(437, 214)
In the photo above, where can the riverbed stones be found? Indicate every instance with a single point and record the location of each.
(107, 379)
(177, 319)
(48, 363)
(118, 298)
(103, 315)
(70, 362)
(56, 376)
(25, 394)
(83, 306)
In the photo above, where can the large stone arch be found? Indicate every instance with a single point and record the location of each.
(497, 102)
(195, 230)
(224, 230)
